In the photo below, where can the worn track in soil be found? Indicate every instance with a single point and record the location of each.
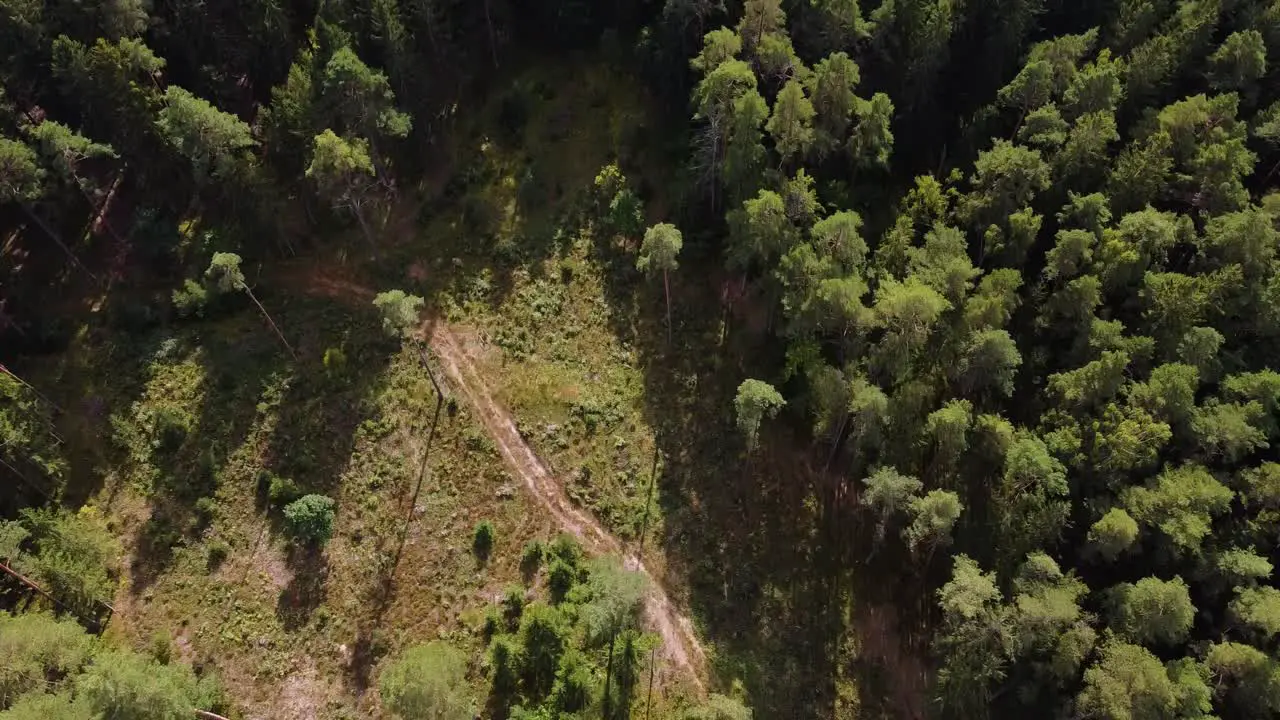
(680, 643)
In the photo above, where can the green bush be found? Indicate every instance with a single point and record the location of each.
(531, 558)
(428, 681)
(206, 510)
(482, 540)
(219, 550)
(281, 490)
(504, 659)
(566, 548)
(171, 429)
(513, 606)
(162, 647)
(191, 299)
(310, 518)
(561, 578)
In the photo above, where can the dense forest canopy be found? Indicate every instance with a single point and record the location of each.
(1005, 270)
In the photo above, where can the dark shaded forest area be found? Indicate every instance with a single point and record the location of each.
(1003, 274)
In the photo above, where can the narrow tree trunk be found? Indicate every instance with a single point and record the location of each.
(493, 38)
(32, 388)
(275, 327)
(608, 675)
(666, 286)
(206, 715)
(648, 705)
(53, 235)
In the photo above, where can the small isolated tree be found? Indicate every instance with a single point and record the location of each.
(399, 312)
(310, 519)
(756, 401)
(225, 274)
(427, 682)
(344, 175)
(659, 253)
(482, 540)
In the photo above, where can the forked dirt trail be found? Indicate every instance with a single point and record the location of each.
(680, 644)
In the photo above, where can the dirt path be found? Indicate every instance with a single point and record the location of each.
(680, 643)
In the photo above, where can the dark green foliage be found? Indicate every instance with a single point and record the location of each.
(482, 540)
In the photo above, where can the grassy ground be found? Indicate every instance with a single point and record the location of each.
(298, 633)
(574, 341)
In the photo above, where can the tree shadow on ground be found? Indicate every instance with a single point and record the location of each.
(770, 545)
(306, 590)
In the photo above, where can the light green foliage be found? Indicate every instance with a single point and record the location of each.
(947, 428)
(831, 89)
(610, 601)
(718, 46)
(975, 640)
(932, 518)
(1046, 604)
(1070, 254)
(126, 686)
(362, 97)
(1239, 61)
(310, 518)
(1152, 611)
(1005, 178)
(21, 176)
(224, 272)
(213, 141)
(427, 681)
(715, 95)
(1229, 430)
(12, 535)
(1044, 129)
(1093, 383)
(717, 707)
(791, 123)
(48, 706)
(872, 140)
(75, 557)
(1260, 486)
(64, 149)
(400, 312)
(1127, 683)
(1170, 392)
(660, 250)
(760, 17)
(1097, 87)
(1243, 566)
(1250, 677)
(337, 165)
(907, 311)
(1199, 347)
(1181, 503)
(1113, 533)
(1259, 608)
(36, 646)
(889, 495)
(756, 400)
(838, 237)
(759, 231)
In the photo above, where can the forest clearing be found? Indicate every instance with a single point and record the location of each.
(661, 359)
